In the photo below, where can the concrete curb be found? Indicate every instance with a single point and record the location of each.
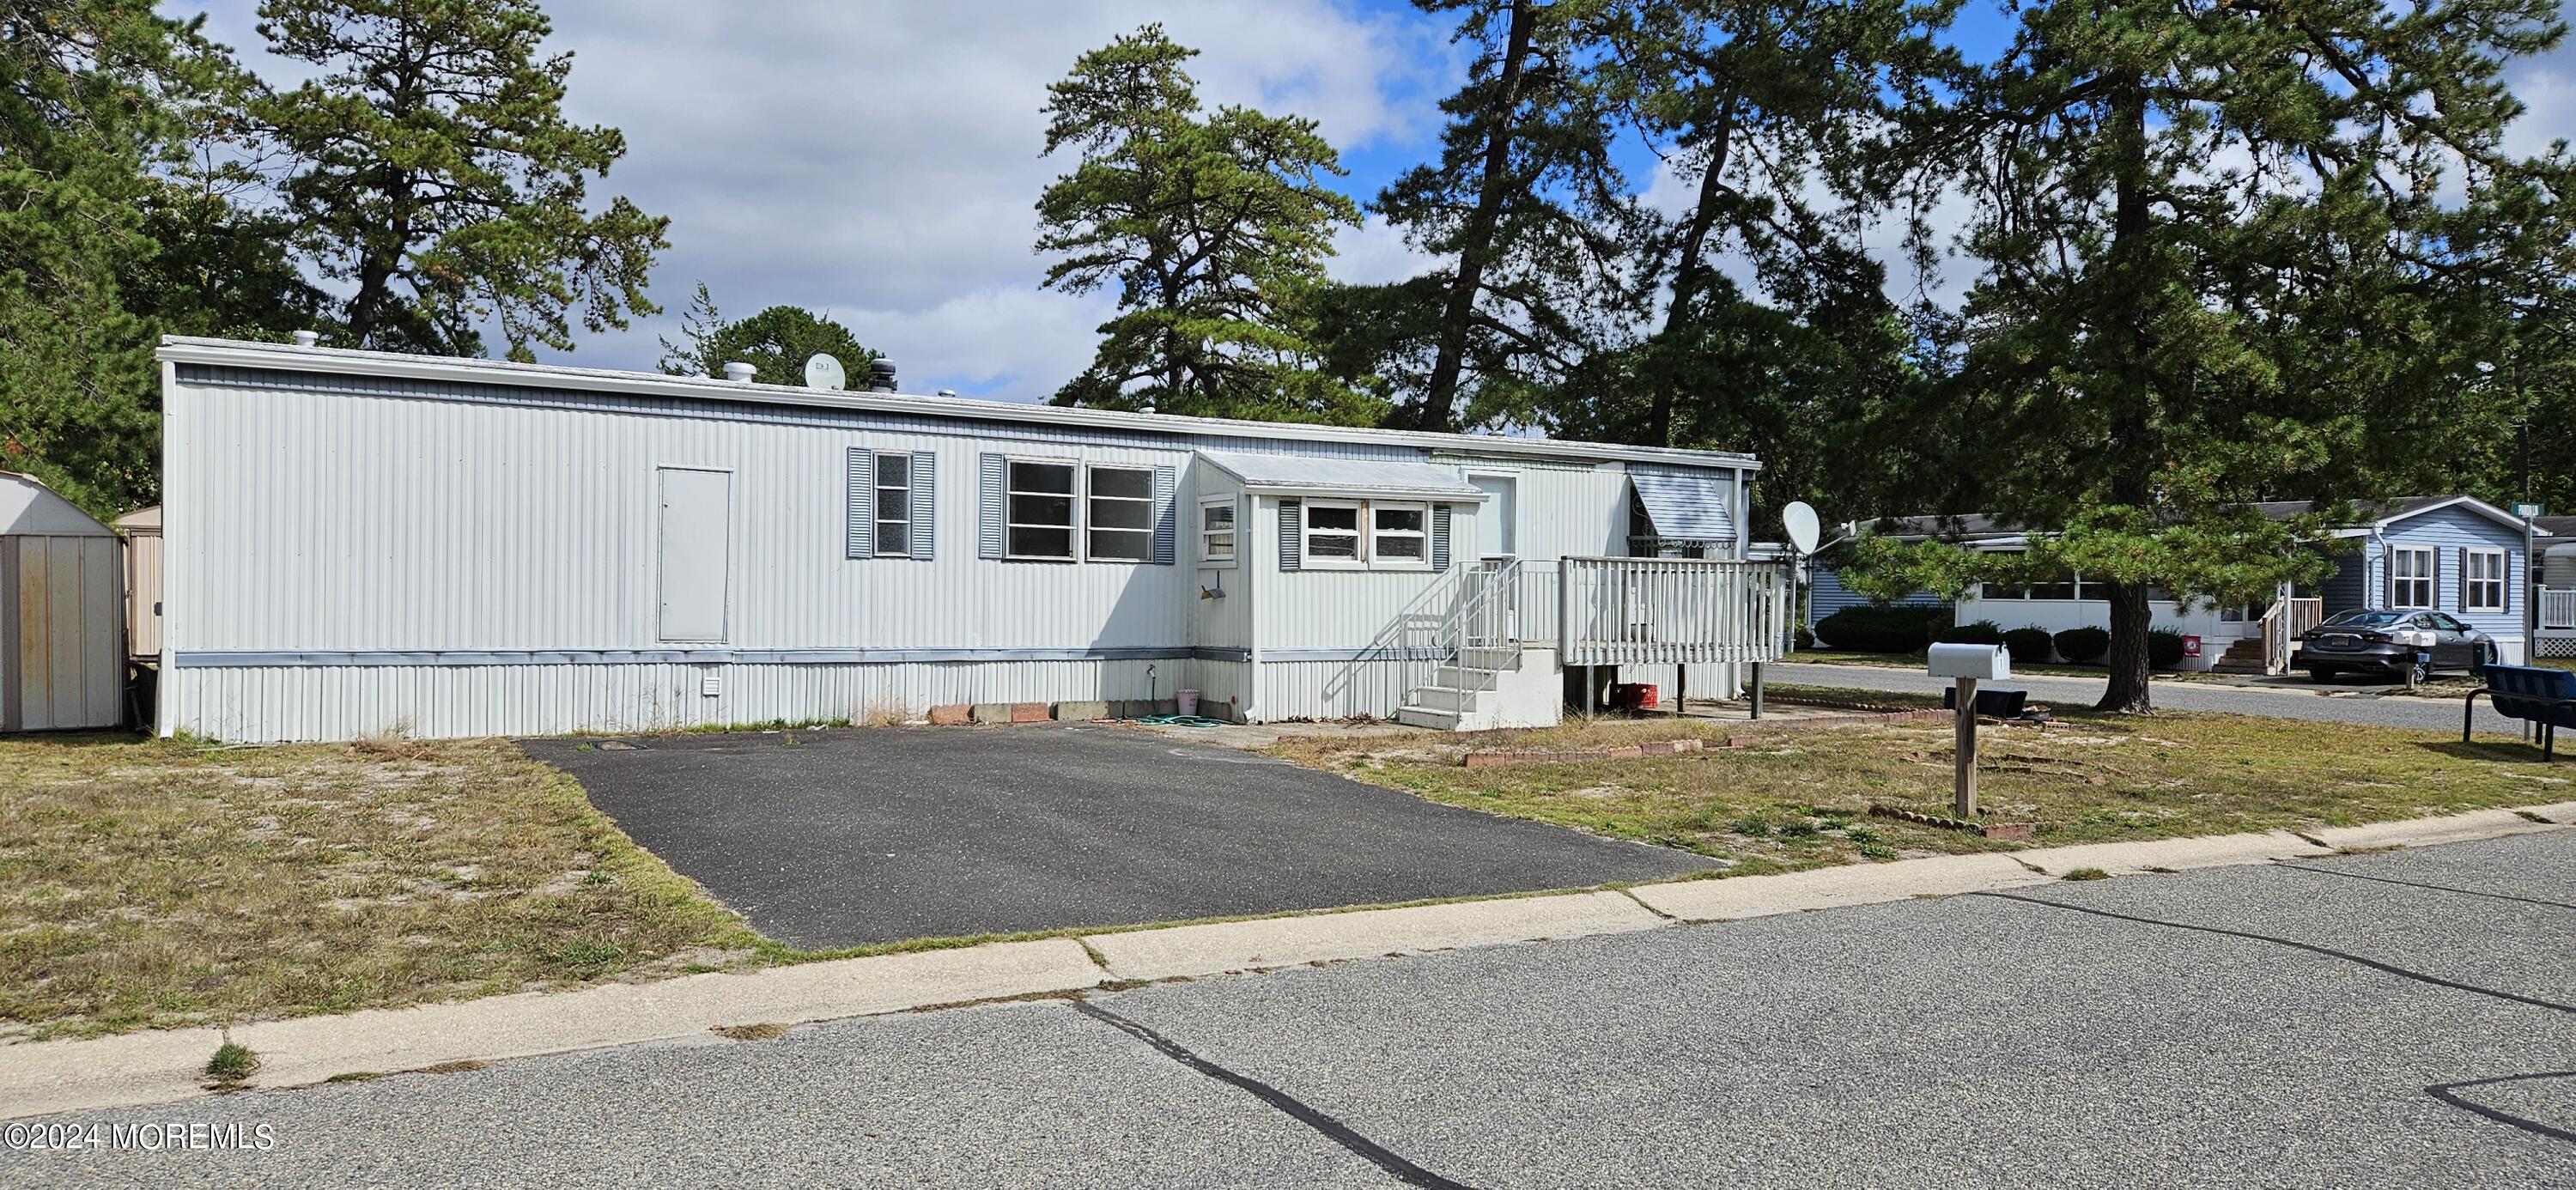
(163, 1067)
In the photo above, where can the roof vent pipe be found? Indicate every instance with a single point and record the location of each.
(308, 338)
(739, 372)
(881, 376)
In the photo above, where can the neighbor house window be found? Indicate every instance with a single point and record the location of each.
(1333, 535)
(1216, 532)
(894, 504)
(1121, 514)
(2482, 581)
(2000, 591)
(2410, 577)
(1040, 520)
(1399, 535)
(2062, 588)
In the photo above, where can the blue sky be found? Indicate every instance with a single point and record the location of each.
(878, 159)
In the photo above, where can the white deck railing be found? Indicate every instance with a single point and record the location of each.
(1662, 611)
(2282, 624)
(2557, 607)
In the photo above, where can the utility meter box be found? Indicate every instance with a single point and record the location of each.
(1982, 662)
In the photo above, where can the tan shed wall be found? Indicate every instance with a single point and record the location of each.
(143, 595)
(64, 667)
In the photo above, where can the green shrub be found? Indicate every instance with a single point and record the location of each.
(1804, 636)
(2083, 645)
(1870, 629)
(2164, 649)
(2029, 645)
(1983, 632)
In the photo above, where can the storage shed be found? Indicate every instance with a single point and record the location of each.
(142, 530)
(62, 661)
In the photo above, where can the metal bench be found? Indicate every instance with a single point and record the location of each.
(2545, 698)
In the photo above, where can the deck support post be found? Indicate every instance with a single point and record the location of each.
(1757, 689)
(1964, 798)
(1681, 689)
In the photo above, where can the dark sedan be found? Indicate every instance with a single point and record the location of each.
(2389, 643)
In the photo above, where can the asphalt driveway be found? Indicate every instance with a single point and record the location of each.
(853, 836)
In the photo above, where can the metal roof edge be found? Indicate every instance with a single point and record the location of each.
(187, 349)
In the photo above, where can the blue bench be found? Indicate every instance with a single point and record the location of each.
(2545, 697)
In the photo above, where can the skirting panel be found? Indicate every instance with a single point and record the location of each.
(1335, 689)
(255, 704)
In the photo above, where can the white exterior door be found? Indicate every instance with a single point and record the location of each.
(1497, 534)
(696, 552)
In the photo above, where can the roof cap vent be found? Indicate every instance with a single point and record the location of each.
(308, 338)
(739, 372)
(947, 392)
(881, 375)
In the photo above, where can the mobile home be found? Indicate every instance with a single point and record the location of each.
(360, 542)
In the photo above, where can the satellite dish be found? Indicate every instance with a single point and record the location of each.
(824, 372)
(1801, 522)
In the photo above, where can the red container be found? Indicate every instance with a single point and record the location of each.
(1633, 696)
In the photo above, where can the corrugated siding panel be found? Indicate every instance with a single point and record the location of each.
(1828, 595)
(1332, 689)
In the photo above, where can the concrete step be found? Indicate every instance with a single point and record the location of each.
(1444, 698)
(1466, 679)
(1495, 659)
(1431, 717)
(2237, 665)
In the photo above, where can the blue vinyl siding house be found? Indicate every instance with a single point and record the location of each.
(2453, 554)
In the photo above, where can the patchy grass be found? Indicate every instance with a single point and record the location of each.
(762, 1031)
(1800, 799)
(1915, 662)
(162, 883)
(232, 1063)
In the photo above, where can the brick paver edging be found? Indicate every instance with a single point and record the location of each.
(1750, 733)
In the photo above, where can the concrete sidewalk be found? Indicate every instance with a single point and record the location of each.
(163, 1067)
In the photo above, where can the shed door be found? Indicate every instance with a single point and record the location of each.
(696, 553)
(1495, 535)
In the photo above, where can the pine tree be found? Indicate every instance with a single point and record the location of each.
(435, 173)
(2234, 249)
(776, 343)
(1211, 228)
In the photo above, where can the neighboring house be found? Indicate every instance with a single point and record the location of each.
(2454, 554)
(364, 542)
(2553, 571)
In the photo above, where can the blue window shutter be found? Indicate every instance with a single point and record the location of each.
(863, 503)
(1167, 482)
(1292, 533)
(1440, 537)
(925, 504)
(988, 518)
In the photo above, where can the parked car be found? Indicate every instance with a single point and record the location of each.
(2388, 643)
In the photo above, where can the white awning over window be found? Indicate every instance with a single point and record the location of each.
(1686, 504)
(1297, 475)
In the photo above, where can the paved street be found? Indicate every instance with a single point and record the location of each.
(2398, 1018)
(2348, 704)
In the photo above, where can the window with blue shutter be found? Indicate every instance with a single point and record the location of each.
(861, 493)
(925, 504)
(989, 512)
(1292, 533)
(1167, 516)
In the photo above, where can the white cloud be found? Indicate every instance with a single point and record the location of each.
(882, 159)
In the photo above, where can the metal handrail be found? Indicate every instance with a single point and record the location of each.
(1672, 610)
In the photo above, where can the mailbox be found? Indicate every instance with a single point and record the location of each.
(1982, 662)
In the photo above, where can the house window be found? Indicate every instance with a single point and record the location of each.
(2482, 581)
(1040, 520)
(894, 504)
(1216, 531)
(1399, 535)
(1332, 536)
(2000, 591)
(1121, 515)
(2060, 588)
(2410, 577)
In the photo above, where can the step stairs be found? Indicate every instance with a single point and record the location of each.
(2244, 656)
(1457, 697)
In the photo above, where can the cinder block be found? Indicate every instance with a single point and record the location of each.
(1028, 712)
(1081, 711)
(950, 714)
(990, 712)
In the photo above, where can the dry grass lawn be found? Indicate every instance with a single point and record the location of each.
(160, 883)
(1802, 799)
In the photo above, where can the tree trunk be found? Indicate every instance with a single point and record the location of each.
(1493, 189)
(2125, 328)
(1690, 269)
(2130, 619)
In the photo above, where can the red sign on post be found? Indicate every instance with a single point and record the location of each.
(2191, 646)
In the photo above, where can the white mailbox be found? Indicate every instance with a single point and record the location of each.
(1985, 663)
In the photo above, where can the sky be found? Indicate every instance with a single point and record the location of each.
(879, 160)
